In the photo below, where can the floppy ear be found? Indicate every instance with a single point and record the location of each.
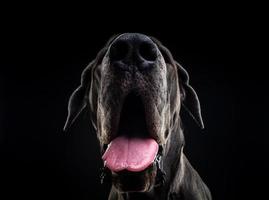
(190, 101)
(79, 98)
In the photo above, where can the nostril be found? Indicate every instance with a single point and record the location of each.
(148, 51)
(119, 50)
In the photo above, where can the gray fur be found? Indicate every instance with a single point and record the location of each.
(164, 89)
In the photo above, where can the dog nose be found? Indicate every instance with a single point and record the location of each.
(133, 50)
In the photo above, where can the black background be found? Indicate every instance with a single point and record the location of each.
(46, 48)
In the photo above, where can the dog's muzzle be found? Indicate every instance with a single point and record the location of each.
(105, 172)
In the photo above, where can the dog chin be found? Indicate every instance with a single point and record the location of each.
(126, 181)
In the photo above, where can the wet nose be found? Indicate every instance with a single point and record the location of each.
(133, 50)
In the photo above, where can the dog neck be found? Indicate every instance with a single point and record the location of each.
(173, 163)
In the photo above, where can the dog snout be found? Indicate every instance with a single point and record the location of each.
(133, 50)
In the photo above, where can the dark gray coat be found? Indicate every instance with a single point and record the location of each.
(139, 69)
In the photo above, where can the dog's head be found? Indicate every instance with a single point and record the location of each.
(134, 91)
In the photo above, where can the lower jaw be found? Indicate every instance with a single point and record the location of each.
(126, 181)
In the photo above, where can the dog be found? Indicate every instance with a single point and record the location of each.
(134, 91)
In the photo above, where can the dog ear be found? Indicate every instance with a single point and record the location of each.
(190, 101)
(79, 98)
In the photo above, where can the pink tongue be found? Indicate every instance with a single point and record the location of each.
(133, 154)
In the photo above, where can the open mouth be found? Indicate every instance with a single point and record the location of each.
(133, 149)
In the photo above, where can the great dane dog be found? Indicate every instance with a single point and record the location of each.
(134, 91)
